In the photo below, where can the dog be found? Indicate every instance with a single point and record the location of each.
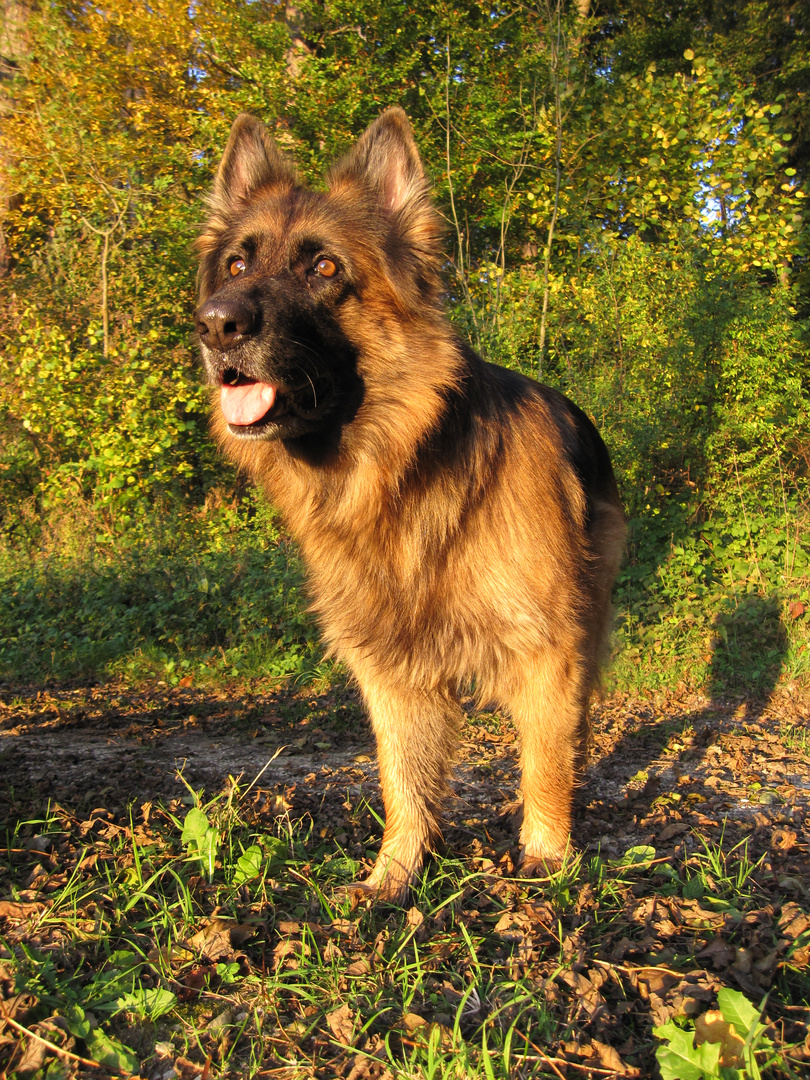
(460, 523)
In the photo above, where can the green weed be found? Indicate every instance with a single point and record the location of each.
(720, 1046)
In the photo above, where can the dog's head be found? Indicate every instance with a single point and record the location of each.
(302, 290)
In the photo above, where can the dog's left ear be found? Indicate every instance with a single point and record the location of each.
(386, 159)
(386, 164)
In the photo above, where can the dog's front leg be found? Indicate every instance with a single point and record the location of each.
(416, 734)
(548, 701)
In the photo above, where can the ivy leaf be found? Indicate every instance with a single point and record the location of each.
(109, 1051)
(680, 1059)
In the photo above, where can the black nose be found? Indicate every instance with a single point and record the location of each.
(223, 322)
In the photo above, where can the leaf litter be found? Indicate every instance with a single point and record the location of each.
(139, 940)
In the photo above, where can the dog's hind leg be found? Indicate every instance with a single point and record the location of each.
(548, 701)
(417, 734)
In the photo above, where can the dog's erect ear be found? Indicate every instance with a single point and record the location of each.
(386, 164)
(386, 159)
(251, 161)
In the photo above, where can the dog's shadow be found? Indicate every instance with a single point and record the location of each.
(642, 748)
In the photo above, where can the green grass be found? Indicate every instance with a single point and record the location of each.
(202, 598)
(153, 947)
(218, 594)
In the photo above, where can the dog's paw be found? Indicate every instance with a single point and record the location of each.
(540, 867)
(370, 892)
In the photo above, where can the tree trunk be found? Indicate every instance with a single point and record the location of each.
(14, 44)
(298, 46)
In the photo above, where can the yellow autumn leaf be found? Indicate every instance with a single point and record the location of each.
(712, 1028)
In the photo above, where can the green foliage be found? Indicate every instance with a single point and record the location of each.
(121, 431)
(728, 1041)
(248, 865)
(209, 596)
(627, 220)
(201, 840)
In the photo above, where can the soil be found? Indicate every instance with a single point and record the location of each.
(675, 777)
(732, 764)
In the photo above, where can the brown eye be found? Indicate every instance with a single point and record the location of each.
(236, 267)
(326, 268)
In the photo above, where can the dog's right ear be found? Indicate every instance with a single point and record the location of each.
(251, 161)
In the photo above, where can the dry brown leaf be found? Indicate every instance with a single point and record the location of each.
(341, 1024)
(33, 1057)
(590, 1001)
(288, 951)
(412, 1022)
(712, 1028)
(331, 952)
(286, 927)
(512, 926)
(793, 921)
(345, 926)
(650, 981)
(190, 1070)
(542, 913)
(783, 839)
(212, 941)
(359, 967)
(673, 829)
(415, 918)
(720, 954)
(607, 1057)
(217, 939)
(15, 912)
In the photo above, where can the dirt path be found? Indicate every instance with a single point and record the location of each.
(654, 766)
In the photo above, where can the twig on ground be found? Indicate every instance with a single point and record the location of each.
(62, 1052)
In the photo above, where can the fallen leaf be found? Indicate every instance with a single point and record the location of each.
(415, 918)
(783, 839)
(216, 940)
(673, 829)
(608, 1058)
(15, 912)
(720, 954)
(650, 981)
(793, 921)
(712, 1028)
(359, 967)
(220, 1024)
(341, 1024)
(590, 1001)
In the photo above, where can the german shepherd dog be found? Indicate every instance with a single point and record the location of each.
(460, 523)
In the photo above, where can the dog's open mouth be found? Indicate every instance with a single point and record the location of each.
(255, 408)
(245, 402)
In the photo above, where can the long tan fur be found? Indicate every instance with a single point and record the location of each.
(460, 524)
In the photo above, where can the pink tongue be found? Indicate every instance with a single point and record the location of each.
(246, 404)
